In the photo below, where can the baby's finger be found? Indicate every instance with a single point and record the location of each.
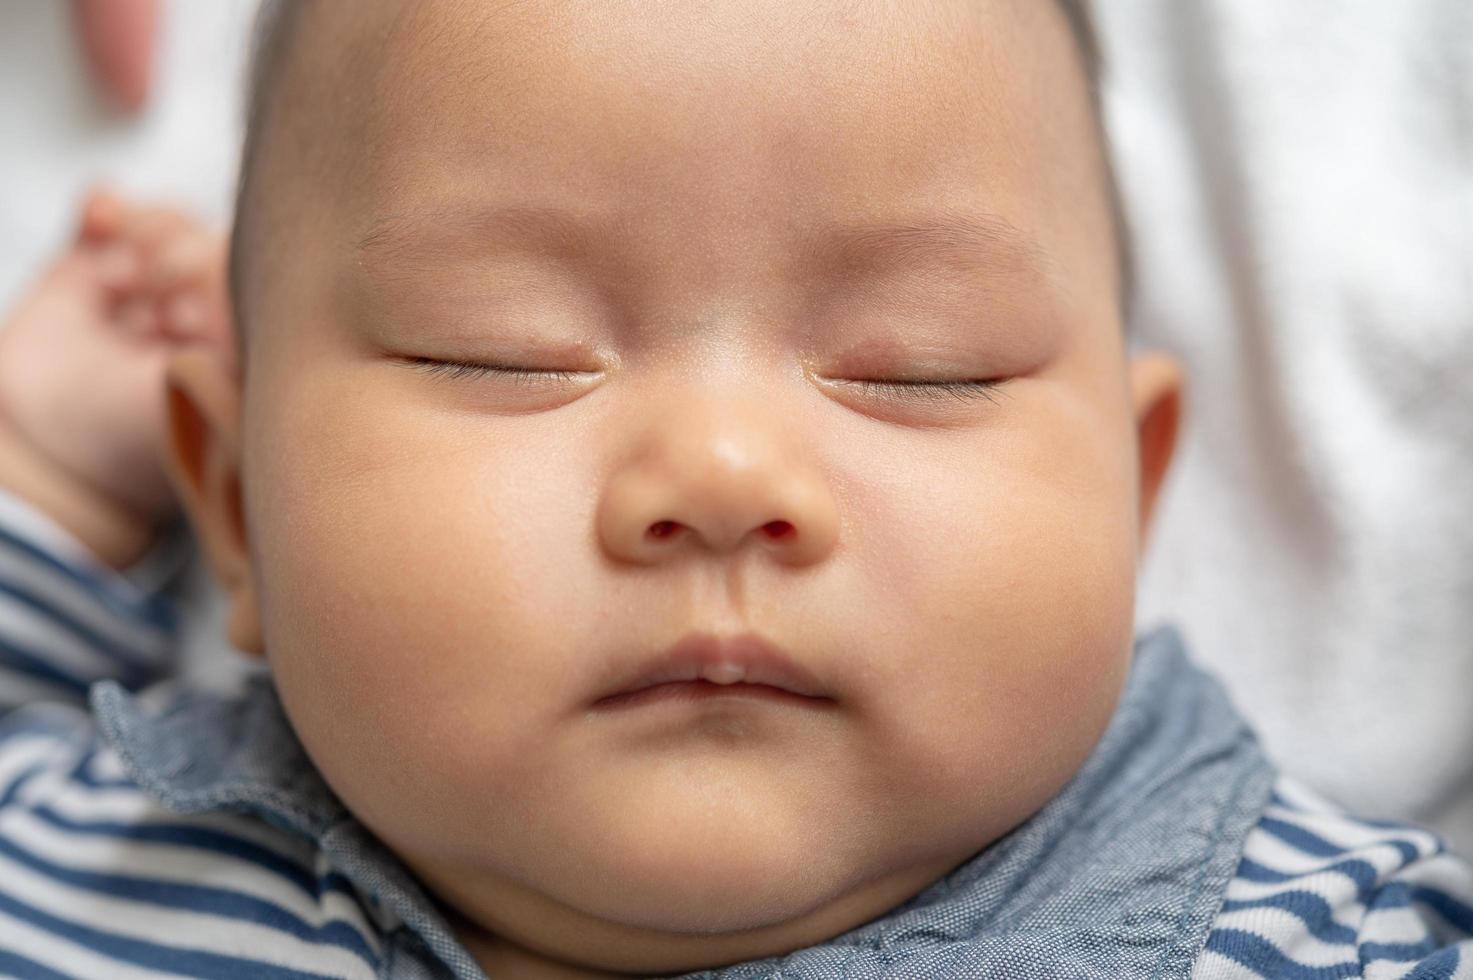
(119, 40)
(119, 267)
(194, 318)
(138, 318)
(102, 216)
(153, 228)
(185, 316)
(189, 260)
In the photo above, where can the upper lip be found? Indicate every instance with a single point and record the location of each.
(740, 658)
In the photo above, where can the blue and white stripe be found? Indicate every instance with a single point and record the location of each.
(96, 878)
(1320, 895)
(67, 621)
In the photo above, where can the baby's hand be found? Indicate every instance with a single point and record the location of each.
(81, 370)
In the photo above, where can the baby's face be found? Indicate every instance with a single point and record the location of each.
(699, 225)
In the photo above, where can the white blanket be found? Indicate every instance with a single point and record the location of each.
(56, 137)
(1300, 180)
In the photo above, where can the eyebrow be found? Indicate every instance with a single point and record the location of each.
(979, 240)
(550, 230)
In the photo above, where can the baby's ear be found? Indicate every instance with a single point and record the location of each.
(1156, 386)
(204, 457)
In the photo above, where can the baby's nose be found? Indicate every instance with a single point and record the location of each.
(718, 487)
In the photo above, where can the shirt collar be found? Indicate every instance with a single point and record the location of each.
(1115, 864)
(199, 751)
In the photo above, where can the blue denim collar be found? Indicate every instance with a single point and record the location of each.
(1119, 876)
(202, 752)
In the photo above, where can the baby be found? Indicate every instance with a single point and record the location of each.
(683, 467)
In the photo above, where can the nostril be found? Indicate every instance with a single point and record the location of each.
(779, 529)
(662, 529)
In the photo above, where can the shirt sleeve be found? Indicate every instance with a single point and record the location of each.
(68, 620)
(1320, 894)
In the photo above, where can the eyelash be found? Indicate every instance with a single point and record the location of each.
(470, 369)
(930, 390)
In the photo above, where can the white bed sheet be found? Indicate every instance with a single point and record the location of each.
(1300, 180)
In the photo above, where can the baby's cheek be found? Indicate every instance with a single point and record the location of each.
(1023, 637)
(390, 612)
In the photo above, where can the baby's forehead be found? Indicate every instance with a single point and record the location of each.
(690, 112)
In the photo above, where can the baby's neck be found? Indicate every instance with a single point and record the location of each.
(561, 928)
(498, 958)
(505, 960)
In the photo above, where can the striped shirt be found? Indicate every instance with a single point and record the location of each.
(98, 878)
(1320, 895)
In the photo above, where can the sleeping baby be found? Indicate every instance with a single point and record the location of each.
(683, 472)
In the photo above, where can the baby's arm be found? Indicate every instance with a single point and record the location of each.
(68, 620)
(89, 527)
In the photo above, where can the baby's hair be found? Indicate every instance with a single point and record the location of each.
(276, 32)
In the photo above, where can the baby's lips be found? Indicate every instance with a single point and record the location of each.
(741, 658)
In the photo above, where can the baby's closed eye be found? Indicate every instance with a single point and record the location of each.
(928, 388)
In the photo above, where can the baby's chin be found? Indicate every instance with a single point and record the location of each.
(729, 894)
(699, 859)
(744, 870)
(700, 895)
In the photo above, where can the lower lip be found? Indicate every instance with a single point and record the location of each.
(701, 690)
